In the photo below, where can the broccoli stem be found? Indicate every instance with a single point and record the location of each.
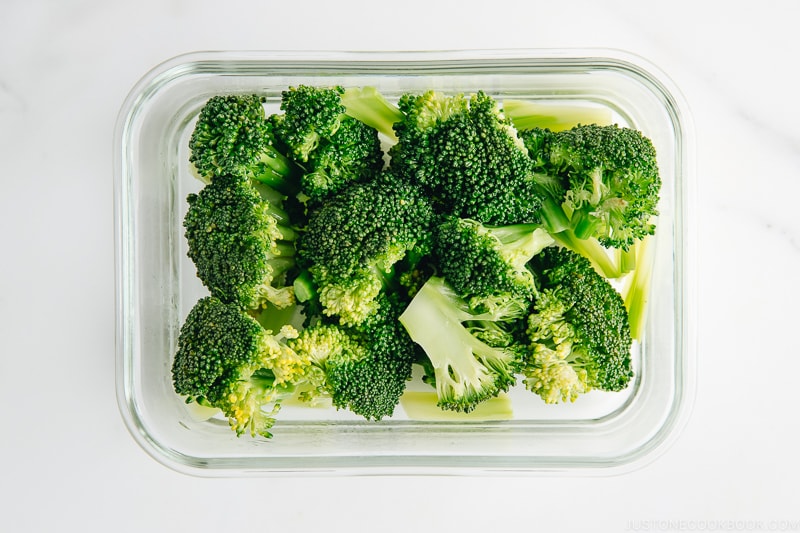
(304, 288)
(277, 161)
(268, 194)
(514, 234)
(369, 106)
(526, 115)
(638, 290)
(592, 250)
(287, 233)
(273, 318)
(420, 405)
(520, 242)
(277, 171)
(280, 265)
(576, 234)
(627, 259)
(584, 225)
(284, 250)
(553, 216)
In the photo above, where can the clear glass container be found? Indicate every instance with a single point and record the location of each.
(157, 285)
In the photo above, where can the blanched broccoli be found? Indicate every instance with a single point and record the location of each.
(354, 241)
(226, 360)
(310, 115)
(332, 148)
(527, 115)
(636, 289)
(328, 346)
(345, 239)
(487, 265)
(362, 368)
(578, 332)
(466, 369)
(241, 244)
(232, 136)
(368, 105)
(467, 156)
(600, 181)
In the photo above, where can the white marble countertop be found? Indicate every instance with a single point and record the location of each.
(67, 461)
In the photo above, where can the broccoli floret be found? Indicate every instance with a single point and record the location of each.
(241, 244)
(354, 241)
(226, 360)
(327, 347)
(364, 368)
(310, 115)
(351, 299)
(332, 148)
(233, 136)
(467, 156)
(351, 154)
(414, 270)
(466, 369)
(603, 179)
(578, 332)
(487, 265)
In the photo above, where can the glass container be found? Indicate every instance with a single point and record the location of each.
(156, 283)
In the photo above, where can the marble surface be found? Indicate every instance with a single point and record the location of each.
(68, 463)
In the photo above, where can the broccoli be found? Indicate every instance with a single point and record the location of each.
(226, 360)
(241, 244)
(233, 136)
(467, 156)
(466, 366)
(327, 346)
(363, 368)
(331, 147)
(353, 153)
(487, 265)
(353, 243)
(526, 115)
(578, 331)
(346, 240)
(636, 287)
(369, 106)
(599, 181)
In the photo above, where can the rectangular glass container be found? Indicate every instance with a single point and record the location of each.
(157, 285)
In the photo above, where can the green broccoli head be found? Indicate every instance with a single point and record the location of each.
(605, 177)
(467, 365)
(578, 332)
(426, 111)
(353, 242)
(364, 368)
(538, 142)
(233, 136)
(487, 265)
(240, 244)
(351, 299)
(466, 155)
(310, 114)
(226, 360)
(332, 148)
(352, 153)
(327, 346)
